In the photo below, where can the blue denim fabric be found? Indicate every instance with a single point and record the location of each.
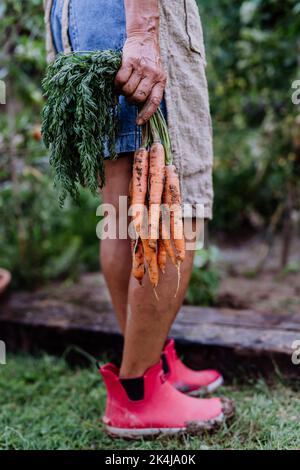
(100, 25)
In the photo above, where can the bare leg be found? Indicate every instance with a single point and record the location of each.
(115, 255)
(149, 320)
(144, 320)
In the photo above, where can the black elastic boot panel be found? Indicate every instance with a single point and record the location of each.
(165, 364)
(134, 388)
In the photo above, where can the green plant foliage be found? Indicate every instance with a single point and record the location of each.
(22, 65)
(252, 54)
(40, 242)
(79, 118)
(205, 278)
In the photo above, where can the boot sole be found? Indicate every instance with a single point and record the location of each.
(195, 427)
(202, 391)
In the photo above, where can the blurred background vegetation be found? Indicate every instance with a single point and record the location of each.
(252, 55)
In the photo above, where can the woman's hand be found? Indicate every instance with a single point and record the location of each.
(141, 78)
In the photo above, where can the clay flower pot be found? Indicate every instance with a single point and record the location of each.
(5, 278)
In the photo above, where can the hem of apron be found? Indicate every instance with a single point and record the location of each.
(207, 214)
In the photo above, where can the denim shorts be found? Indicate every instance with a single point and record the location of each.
(99, 25)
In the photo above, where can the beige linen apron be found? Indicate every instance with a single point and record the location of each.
(186, 94)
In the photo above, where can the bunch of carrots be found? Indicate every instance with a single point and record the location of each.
(155, 201)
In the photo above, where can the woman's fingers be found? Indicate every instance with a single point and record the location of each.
(141, 79)
(132, 83)
(152, 103)
(123, 76)
(142, 91)
(139, 84)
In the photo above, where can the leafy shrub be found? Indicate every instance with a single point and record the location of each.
(252, 62)
(39, 241)
(205, 278)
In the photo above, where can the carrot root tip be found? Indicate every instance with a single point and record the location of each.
(155, 293)
(178, 279)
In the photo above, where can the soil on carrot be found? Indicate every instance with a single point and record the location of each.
(44, 404)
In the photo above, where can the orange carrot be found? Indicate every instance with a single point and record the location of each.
(151, 258)
(156, 174)
(173, 199)
(130, 193)
(138, 268)
(166, 235)
(161, 250)
(132, 240)
(161, 256)
(139, 185)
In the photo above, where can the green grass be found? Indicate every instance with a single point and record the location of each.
(44, 404)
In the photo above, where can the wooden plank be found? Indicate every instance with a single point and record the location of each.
(257, 340)
(236, 317)
(86, 307)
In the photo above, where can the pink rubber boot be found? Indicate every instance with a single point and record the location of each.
(150, 405)
(194, 383)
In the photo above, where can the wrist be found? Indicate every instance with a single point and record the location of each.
(149, 29)
(142, 36)
(142, 17)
